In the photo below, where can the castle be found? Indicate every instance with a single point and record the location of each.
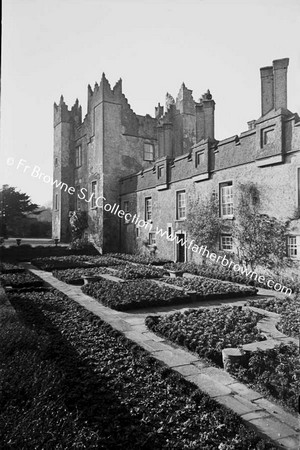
(151, 167)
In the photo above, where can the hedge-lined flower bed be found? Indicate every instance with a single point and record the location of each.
(20, 280)
(206, 332)
(133, 294)
(206, 287)
(274, 372)
(132, 272)
(75, 276)
(140, 259)
(74, 261)
(288, 308)
(6, 267)
(77, 383)
(222, 273)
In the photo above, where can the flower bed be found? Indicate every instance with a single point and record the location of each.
(75, 276)
(74, 261)
(132, 272)
(133, 294)
(71, 381)
(274, 372)
(222, 273)
(288, 308)
(140, 259)
(6, 267)
(206, 332)
(208, 288)
(20, 280)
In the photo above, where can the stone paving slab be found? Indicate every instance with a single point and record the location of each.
(208, 385)
(238, 404)
(267, 418)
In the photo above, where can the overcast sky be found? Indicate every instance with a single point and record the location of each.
(54, 47)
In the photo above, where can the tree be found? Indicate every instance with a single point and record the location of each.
(15, 207)
(203, 221)
(261, 238)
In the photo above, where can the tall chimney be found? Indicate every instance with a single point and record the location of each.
(267, 89)
(280, 82)
(205, 117)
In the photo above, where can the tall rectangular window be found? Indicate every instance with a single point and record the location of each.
(148, 152)
(293, 246)
(93, 202)
(160, 171)
(180, 205)
(56, 201)
(148, 208)
(226, 200)
(78, 156)
(198, 158)
(77, 199)
(152, 238)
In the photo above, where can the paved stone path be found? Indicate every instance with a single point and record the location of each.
(266, 417)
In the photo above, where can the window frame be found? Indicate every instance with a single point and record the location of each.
(295, 246)
(147, 218)
(179, 216)
(223, 186)
(78, 156)
(150, 152)
(226, 235)
(56, 202)
(93, 203)
(77, 199)
(152, 241)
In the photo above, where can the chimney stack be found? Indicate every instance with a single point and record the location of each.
(205, 117)
(274, 86)
(280, 82)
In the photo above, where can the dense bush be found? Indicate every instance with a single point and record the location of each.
(133, 294)
(207, 287)
(288, 308)
(274, 372)
(75, 261)
(19, 280)
(132, 272)
(70, 381)
(206, 332)
(75, 276)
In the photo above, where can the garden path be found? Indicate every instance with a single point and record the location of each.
(263, 415)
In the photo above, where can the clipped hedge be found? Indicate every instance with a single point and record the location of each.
(132, 272)
(133, 294)
(75, 276)
(20, 280)
(288, 308)
(75, 261)
(209, 288)
(206, 332)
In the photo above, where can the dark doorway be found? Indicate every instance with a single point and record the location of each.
(180, 248)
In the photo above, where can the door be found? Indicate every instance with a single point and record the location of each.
(180, 248)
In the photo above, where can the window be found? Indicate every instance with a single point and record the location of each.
(148, 152)
(293, 246)
(169, 231)
(152, 238)
(56, 201)
(180, 205)
(226, 200)
(226, 242)
(148, 208)
(78, 156)
(94, 186)
(126, 210)
(137, 231)
(160, 171)
(198, 158)
(56, 162)
(77, 199)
